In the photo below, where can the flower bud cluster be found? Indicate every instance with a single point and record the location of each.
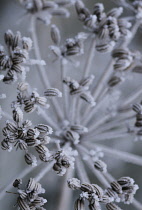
(44, 10)
(31, 101)
(18, 51)
(122, 190)
(71, 133)
(29, 197)
(107, 26)
(81, 88)
(20, 134)
(64, 159)
(71, 47)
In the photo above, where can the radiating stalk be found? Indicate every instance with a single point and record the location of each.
(47, 118)
(137, 204)
(97, 173)
(81, 171)
(73, 109)
(43, 171)
(132, 97)
(88, 116)
(6, 115)
(90, 57)
(125, 156)
(64, 91)
(90, 164)
(66, 193)
(42, 71)
(106, 136)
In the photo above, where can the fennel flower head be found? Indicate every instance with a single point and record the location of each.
(71, 105)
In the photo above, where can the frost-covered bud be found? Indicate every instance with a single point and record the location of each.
(125, 181)
(55, 35)
(90, 21)
(74, 183)
(41, 100)
(27, 43)
(16, 40)
(115, 12)
(86, 187)
(79, 129)
(87, 81)
(51, 92)
(17, 115)
(105, 47)
(22, 204)
(41, 149)
(44, 129)
(9, 36)
(137, 108)
(116, 187)
(86, 96)
(27, 123)
(22, 86)
(30, 159)
(114, 80)
(98, 190)
(112, 206)
(17, 183)
(11, 127)
(79, 204)
(100, 165)
(31, 185)
(72, 136)
(5, 145)
(29, 106)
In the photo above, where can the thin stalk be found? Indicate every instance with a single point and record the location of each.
(81, 171)
(92, 112)
(47, 118)
(78, 110)
(89, 60)
(12, 193)
(44, 171)
(73, 109)
(66, 193)
(42, 71)
(6, 115)
(97, 173)
(125, 156)
(100, 86)
(133, 32)
(107, 136)
(99, 122)
(132, 97)
(64, 90)
(121, 117)
(137, 204)
(90, 164)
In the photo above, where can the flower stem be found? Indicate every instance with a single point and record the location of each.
(66, 193)
(44, 171)
(90, 58)
(42, 71)
(125, 156)
(64, 90)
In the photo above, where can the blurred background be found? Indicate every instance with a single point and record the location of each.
(13, 16)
